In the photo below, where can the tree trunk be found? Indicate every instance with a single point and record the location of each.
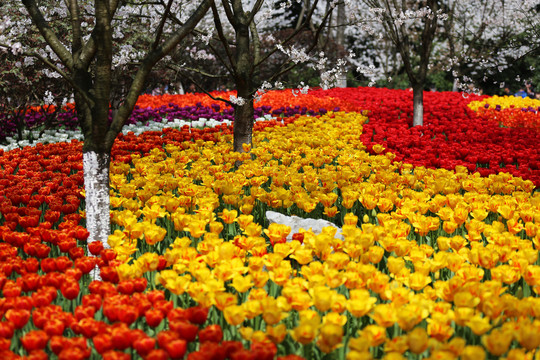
(96, 184)
(243, 121)
(243, 114)
(418, 105)
(340, 40)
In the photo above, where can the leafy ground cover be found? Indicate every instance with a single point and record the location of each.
(434, 263)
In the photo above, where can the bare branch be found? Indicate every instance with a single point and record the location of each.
(221, 35)
(178, 69)
(228, 12)
(205, 91)
(162, 24)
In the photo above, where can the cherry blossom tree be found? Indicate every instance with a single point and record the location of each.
(470, 39)
(411, 27)
(482, 38)
(244, 42)
(87, 43)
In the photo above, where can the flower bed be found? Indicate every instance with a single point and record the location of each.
(452, 135)
(509, 111)
(434, 263)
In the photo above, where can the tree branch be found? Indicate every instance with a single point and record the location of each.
(221, 35)
(205, 91)
(178, 69)
(148, 63)
(229, 12)
(47, 33)
(162, 24)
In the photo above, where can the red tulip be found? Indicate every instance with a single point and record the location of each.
(11, 289)
(18, 317)
(144, 345)
(177, 314)
(30, 282)
(213, 350)
(6, 330)
(92, 300)
(211, 333)
(153, 317)
(82, 234)
(76, 253)
(38, 355)
(54, 327)
(102, 343)
(23, 302)
(231, 347)
(48, 265)
(67, 244)
(74, 273)
(95, 247)
(57, 343)
(140, 284)
(184, 329)
(70, 289)
(35, 340)
(128, 314)
(242, 354)
(72, 353)
(5, 344)
(157, 354)
(264, 351)
(126, 287)
(165, 337)
(116, 355)
(155, 295)
(85, 264)
(197, 315)
(164, 306)
(176, 348)
(121, 339)
(108, 273)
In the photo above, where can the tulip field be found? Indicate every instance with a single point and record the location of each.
(440, 226)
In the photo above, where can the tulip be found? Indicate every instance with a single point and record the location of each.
(212, 333)
(34, 340)
(197, 315)
(184, 329)
(17, 317)
(176, 348)
(102, 343)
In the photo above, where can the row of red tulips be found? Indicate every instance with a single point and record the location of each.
(452, 134)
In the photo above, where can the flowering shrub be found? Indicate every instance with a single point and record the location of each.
(433, 263)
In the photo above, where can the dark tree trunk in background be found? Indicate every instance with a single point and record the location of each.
(243, 114)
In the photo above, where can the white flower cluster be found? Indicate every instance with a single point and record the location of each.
(296, 55)
(265, 87)
(301, 89)
(331, 78)
(200, 54)
(48, 99)
(239, 101)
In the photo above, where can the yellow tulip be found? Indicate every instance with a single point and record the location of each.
(234, 315)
